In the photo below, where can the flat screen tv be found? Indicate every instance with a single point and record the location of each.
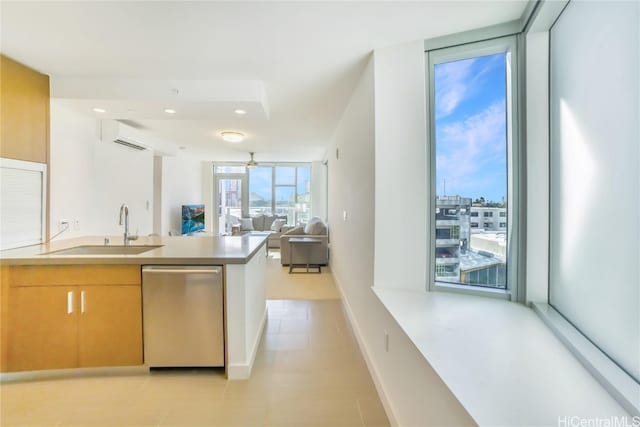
(192, 218)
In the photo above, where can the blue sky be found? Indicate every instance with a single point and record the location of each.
(470, 101)
(260, 181)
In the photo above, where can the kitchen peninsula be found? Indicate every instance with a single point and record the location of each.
(41, 328)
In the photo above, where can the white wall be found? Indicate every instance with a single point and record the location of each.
(319, 190)
(537, 154)
(122, 175)
(207, 197)
(181, 184)
(401, 167)
(157, 195)
(73, 140)
(412, 392)
(91, 179)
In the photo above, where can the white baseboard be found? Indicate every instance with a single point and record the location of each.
(373, 370)
(242, 371)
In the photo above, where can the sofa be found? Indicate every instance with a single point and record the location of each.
(273, 224)
(317, 253)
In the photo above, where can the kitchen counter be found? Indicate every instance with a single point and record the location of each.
(188, 250)
(244, 265)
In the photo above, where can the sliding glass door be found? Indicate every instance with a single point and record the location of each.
(230, 190)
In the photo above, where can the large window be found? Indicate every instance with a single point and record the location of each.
(261, 191)
(283, 190)
(471, 104)
(594, 278)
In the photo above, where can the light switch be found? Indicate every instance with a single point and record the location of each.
(345, 215)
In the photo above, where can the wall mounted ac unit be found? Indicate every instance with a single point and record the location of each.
(113, 131)
(130, 144)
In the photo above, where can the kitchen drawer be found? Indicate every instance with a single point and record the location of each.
(69, 275)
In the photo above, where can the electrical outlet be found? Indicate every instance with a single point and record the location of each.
(345, 215)
(386, 341)
(63, 224)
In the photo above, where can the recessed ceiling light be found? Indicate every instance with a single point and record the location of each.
(99, 110)
(169, 111)
(231, 136)
(240, 112)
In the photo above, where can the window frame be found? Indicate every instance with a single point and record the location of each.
(246, 176)
(511, 43)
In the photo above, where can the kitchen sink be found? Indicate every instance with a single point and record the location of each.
(104, 250)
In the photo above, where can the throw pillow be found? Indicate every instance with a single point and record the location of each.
(246, 224)
(310, 228)
(268, 221)
(277, 225)
(258, 222)
(317, 228)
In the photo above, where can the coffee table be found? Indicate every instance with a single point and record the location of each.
(306, 243)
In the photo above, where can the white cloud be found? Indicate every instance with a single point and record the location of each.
(459, 80)
(470, 148)
(452, 80)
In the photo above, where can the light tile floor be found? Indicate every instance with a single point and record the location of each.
(308, 372)
(282, 285)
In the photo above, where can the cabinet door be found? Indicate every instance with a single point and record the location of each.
(110, 326)
(42, 328)
(25, 112)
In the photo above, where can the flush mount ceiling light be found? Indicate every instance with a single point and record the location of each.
(240, 112)
(169, 111)
(251, 163)
(99, 110)
(230, 136)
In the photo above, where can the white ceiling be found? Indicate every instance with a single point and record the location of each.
(306, 57)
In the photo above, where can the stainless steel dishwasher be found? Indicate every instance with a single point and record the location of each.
(183, 317)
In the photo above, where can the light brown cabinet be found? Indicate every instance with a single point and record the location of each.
(110, 326)
(72, 316)
(42, 335)
(24, 109)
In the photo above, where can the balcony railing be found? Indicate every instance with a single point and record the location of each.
(447, 243)
(447, 261)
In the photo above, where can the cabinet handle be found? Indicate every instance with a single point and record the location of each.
(69, 302)
(83, 303)
(152, 270)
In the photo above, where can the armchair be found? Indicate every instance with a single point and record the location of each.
(318, 253)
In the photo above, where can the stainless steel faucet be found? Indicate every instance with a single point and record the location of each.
(125, 209)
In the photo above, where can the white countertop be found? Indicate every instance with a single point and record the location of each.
(173, 250)
(499, 359)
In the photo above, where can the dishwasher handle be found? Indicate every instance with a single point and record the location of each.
(181, 270)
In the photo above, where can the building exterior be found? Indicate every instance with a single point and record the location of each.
(452, 236)
(470, 243)
(488, 219)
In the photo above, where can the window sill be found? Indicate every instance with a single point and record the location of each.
(610, 375)
(498, 358)
(472, 290)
